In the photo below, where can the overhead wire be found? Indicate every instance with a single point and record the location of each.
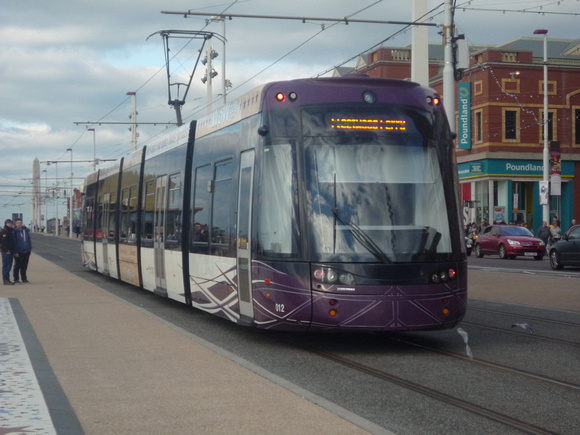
(378, 44)
(463, 6)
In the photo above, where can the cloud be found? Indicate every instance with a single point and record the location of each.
(65, 62)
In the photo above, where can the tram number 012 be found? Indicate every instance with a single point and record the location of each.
(279, 308)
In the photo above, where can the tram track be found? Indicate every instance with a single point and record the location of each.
(529, 318)
(504, 368)
(530, 336)
(445, 398)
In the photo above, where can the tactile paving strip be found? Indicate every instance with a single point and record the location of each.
(23, 409)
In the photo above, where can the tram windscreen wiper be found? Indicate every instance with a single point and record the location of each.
(359, 235)
(362, 237)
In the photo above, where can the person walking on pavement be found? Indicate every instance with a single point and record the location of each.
(22, 249)
(544, 233)
(555, 232)
(8, 244)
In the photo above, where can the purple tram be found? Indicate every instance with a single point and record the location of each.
(313, 204)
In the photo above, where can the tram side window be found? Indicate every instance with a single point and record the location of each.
(112, 216)
(148, 210)
(100, 214)
(128, 219)
(277, 232)
(200, 213)
(173, 228)
(88, 219)
(222, 227)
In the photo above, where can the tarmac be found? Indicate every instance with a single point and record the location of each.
(76, 359)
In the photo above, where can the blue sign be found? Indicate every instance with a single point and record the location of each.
(464, 104)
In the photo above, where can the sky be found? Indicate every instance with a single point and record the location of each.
(65, 64)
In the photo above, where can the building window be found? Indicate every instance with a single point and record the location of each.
(400, 54)
(478, 126)
(577, 126)
(478, 87)
(508, 56)
(510, 125)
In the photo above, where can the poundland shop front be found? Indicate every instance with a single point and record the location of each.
(504, 190)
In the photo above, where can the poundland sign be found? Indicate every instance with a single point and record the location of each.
(508, 168)
(464, 104)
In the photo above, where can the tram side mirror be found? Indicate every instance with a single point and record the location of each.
(263, 130)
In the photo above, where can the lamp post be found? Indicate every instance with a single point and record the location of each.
(45, 200)
(57, 226)
(70, 205)
(545, 207)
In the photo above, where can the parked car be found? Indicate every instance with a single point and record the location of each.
(566, 252)
(509, 241)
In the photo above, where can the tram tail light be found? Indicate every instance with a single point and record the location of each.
(433, 101)
(281, 96)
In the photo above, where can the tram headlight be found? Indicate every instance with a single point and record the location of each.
(443, 276)
(332, 276)
(346, 278)
(369, 97)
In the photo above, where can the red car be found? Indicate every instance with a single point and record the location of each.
(509, 241)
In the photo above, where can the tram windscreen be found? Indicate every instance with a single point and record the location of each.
(375, 191)
(373, 200)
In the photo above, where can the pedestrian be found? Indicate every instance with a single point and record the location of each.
(544, 233)
(22, 250)
(572, 223)
(473, 231)
(7, 247)
(555, 232)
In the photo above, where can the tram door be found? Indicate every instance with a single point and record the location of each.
(104, 266)
(244, 234)
(158, 231)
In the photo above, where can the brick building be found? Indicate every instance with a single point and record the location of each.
(500, 127)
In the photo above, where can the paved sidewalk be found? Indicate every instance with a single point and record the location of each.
(124, 371)
(107, 367)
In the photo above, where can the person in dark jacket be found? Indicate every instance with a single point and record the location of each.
(22, 249)
(544, 233)
(8, 244)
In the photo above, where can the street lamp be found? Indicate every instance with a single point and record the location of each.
(57, 227)
(70, 205)
(45, 200)
(546, 206)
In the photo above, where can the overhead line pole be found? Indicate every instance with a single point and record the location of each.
(448, 76)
